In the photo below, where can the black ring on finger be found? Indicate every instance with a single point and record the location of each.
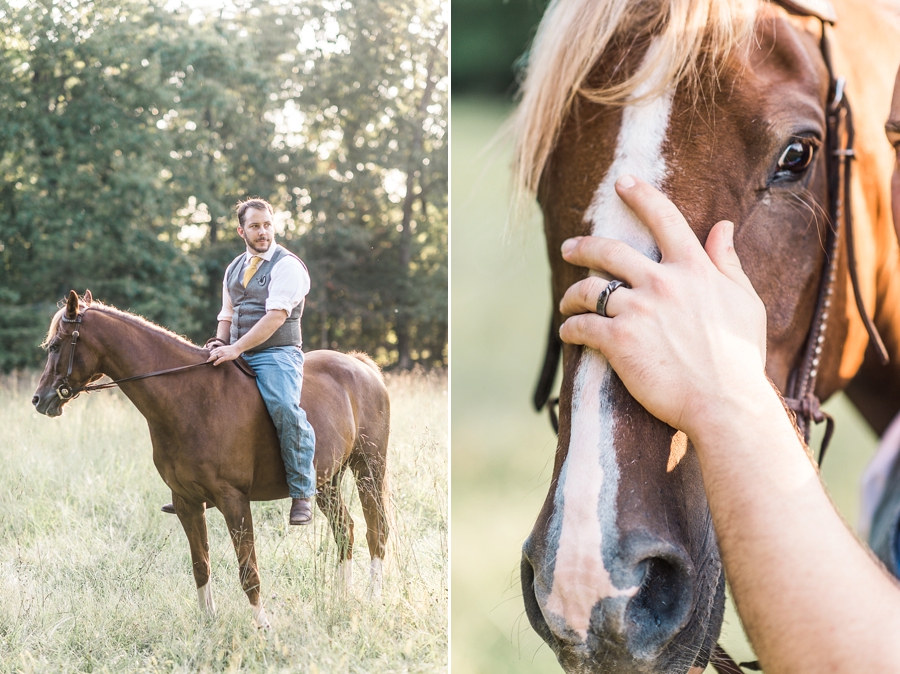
(603, 300)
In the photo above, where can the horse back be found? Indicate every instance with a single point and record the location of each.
(338, 387)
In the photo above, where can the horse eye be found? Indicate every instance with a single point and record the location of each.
(795, 159)
(53, 348)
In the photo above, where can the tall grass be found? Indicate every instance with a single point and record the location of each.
(94, 578)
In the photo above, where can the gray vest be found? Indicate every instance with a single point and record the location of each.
(250, 302)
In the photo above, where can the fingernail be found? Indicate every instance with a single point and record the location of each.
(569, 244)
(625, 181)
(729, 234)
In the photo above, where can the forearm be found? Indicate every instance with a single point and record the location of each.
(223, 332)
(260, 332)
(787, 552)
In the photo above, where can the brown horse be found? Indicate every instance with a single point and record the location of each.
(722, 104)
(213, 440)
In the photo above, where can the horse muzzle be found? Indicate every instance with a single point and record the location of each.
(648, 629)
(50, 403)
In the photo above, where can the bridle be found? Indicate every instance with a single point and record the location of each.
(800, 394)
(66, 391)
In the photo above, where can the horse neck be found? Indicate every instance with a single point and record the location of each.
(130, 348)
(887, 291)
(878, 253)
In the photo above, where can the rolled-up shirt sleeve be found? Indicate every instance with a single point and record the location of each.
(289, 285)
(227, 307)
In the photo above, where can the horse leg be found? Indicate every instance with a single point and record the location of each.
(331, 502)
(370, 470)
(193, 521)
(239, 519)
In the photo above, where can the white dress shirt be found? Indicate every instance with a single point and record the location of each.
(288, 285)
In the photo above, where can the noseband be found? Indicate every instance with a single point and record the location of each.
(66, 391)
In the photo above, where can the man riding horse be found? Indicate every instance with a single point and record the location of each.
(262, 301)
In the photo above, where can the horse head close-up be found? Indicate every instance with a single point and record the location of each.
(768, 114)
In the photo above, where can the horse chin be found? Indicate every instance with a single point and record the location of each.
(54, 409)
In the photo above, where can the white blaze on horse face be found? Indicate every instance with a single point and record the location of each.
(585, 514)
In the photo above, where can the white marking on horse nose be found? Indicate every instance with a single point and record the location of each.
(580, 579)
(588, 484)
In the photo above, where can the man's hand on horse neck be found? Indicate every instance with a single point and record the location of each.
(258, 334)
(811, 598)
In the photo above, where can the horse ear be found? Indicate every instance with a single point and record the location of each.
(88, 298)
(72, 305)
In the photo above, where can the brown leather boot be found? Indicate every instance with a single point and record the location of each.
(301, 511)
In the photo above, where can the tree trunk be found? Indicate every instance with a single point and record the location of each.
(402, 327)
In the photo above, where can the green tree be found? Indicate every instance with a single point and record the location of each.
(80, 156)
(128, 132)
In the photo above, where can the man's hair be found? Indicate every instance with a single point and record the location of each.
(254, 202)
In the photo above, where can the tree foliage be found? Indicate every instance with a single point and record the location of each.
(490, 40)
(128, 131)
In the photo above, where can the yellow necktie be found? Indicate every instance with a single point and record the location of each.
(251, 269)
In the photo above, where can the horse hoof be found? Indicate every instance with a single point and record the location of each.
(204, 596)
(376, 578)
(260, 617)
(345, 576)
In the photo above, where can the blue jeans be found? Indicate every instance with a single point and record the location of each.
(279, 376)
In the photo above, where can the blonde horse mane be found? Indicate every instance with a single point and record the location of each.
(109, 309)
(574, 34)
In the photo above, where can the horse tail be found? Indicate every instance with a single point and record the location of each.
(364, 357)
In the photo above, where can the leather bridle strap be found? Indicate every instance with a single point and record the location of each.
(544, 388)
(801, 393)
(65, 391)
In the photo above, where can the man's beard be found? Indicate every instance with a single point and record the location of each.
(252, 247)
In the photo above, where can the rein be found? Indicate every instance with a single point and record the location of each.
(66, 391)
(801, 396)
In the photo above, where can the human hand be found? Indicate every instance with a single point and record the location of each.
(213, 343)
(689, 333)
(222, 354)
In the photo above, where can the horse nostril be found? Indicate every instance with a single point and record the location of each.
(662, 606)
(35, 400)
(532, 608)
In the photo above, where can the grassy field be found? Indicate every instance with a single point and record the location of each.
(502, 450)
(94, 578)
